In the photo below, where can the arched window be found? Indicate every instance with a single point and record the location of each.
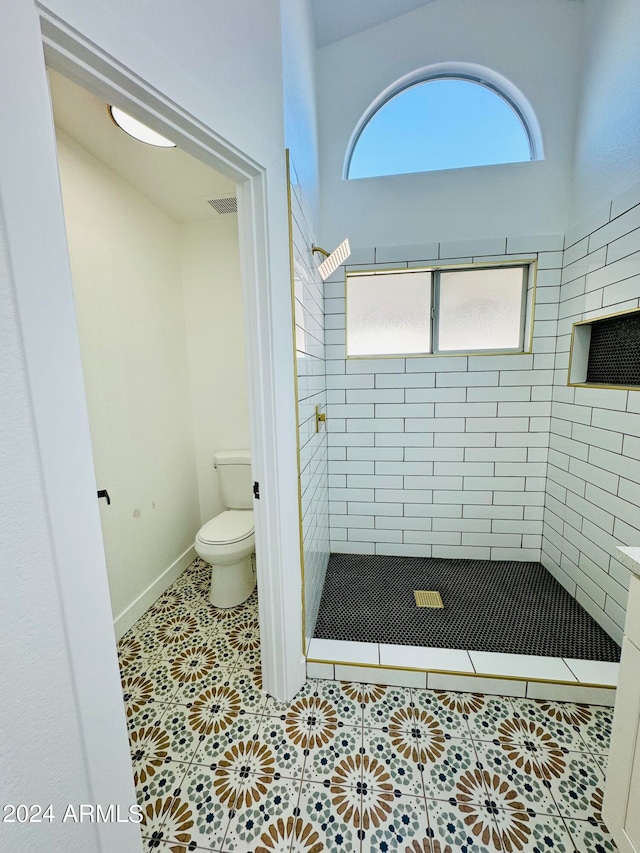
(443, 120)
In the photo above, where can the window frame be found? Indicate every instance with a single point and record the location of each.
(470, 72)
(435, 311)
(529, 276)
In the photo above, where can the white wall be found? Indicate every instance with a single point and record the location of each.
(537, 46)
(301, 137)
(593, 482)
(161, 324)
(125, 262)
(592, 486)
(308, 306)
(607, 158)
(210, 270)
(578, 66)
(37, 694)
(442, 456)
(300, 110)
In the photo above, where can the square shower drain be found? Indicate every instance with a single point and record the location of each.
(427, 598)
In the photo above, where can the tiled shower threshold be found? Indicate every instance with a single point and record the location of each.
(530, 676)
(507, 627)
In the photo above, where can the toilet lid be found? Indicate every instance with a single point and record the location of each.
(230, 526)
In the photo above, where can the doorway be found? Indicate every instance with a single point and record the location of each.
(45, 318)
(156, 280)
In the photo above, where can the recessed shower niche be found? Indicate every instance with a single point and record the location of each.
(606, 351)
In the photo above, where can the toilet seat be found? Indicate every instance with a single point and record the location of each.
(228, 527)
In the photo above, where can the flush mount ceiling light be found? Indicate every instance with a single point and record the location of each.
(138, 130)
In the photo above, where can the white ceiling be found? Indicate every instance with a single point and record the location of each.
(336, 19)
(173, 180)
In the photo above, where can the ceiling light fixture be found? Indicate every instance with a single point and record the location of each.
(138, 130)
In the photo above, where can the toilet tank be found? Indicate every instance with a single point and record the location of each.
(234, 470)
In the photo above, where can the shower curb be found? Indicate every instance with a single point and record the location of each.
(581, 692)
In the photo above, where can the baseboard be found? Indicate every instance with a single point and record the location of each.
(143, 602)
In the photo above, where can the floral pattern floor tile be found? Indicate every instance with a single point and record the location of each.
(221, 766)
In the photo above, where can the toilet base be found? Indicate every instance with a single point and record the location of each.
(231, 585)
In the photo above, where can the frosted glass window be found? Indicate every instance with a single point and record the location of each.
(389, 314)
(437, 310)
(480, 309)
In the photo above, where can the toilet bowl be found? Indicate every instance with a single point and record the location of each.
(227, 541)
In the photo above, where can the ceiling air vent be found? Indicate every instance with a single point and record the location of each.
(228, 204)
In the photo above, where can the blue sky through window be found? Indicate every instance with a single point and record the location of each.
(439, 124)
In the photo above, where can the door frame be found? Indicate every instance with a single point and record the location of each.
(32, 211)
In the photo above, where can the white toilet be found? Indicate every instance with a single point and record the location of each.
(227, 542)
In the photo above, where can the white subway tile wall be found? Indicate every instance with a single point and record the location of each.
(442, 456)
(593, 490)
(310, 361)
(495, 456)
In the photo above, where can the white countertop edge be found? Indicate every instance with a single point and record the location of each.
(630, 557)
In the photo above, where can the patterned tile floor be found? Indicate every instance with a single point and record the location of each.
(221, 766)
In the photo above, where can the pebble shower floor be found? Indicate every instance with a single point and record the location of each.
(221, 766)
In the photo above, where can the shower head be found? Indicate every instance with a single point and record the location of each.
(333, 260)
